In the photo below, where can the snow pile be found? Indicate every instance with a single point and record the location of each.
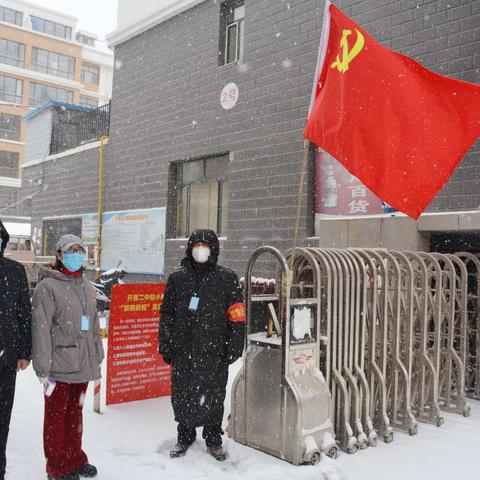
(132, 442)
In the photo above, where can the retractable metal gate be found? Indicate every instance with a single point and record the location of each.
(396, 334)
(280, 399)
(472, 380)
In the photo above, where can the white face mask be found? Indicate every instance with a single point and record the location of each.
(201, 254)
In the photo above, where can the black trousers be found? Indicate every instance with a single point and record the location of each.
(212, 434)
(7, 391)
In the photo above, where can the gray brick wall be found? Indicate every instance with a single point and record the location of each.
(165, 106)
(12, 196)
(69, 186)
(170, 78)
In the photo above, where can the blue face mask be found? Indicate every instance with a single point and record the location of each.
(73, 261)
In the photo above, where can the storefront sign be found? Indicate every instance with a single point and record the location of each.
(340, 193)
(135, 369)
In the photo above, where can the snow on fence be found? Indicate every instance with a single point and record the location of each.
(399, 332)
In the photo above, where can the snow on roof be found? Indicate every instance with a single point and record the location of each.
(18, 229)
(147, 19)
(57, 103)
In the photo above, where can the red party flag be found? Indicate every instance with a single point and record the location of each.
(398, 127)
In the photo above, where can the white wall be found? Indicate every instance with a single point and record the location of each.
(132, 10)
(29, 9)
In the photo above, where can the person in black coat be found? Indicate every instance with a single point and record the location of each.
(202, 326)
(15, 336)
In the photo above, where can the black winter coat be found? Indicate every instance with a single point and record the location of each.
(200, 344)
(15, 310)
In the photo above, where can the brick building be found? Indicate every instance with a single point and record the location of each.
(228, 156)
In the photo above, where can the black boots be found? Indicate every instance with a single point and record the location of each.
(70, 476)
(179, 450)
(218, 453)
(87, 471)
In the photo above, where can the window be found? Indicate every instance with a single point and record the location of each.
(11, 16)
(8, 164)
(232, 29)
(12, 53)
(85, 40)
(11, 90)
(53, 63)
(43, 93)
(88, 102)
(9, 127)
(202, 195)
(51, 28)
(90, 74)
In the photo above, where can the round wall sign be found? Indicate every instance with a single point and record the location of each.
(229, 96)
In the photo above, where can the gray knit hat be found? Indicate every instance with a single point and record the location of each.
(67, 241)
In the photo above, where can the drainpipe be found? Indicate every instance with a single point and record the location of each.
(100, 206)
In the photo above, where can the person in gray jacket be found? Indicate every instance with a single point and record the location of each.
(67, 351)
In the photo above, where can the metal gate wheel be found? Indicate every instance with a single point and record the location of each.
(332, 452)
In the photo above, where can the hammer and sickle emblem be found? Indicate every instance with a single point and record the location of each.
(348, 55)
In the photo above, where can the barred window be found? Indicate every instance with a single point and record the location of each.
(8, 164)
(202, 195)
(51, 28)
(90, 74)
(9, 127)
(53, 63)
(11, 89)
(11, 16)
(12, 53)
(40, 94)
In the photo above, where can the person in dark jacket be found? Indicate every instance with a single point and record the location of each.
(202, 324)
(15, 336)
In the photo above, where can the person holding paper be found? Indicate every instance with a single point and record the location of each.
(67, 351)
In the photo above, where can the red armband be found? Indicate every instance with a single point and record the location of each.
(236, 313)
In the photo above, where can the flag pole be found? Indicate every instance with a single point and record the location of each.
(306, 145)
(322, 51)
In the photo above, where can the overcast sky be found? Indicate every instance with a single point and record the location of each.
(96, 16)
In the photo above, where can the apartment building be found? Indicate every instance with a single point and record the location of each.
(42, 57)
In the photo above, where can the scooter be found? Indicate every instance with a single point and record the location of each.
(103, 287)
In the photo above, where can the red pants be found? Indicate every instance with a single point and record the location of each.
(62, 429)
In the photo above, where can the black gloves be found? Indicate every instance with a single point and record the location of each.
(167, 358)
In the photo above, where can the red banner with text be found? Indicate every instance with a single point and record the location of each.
(135, 369)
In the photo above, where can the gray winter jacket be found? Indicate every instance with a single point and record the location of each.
(60, 348)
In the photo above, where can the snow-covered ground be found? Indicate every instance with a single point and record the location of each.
(131, 442)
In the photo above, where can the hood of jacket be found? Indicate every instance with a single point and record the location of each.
(206, 236)
(5, 238)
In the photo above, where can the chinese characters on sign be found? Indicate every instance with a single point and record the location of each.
(135, 369)
(133, 239)
(340, 193)
(229, 96)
